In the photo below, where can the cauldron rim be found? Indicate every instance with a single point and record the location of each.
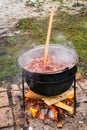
(51, 73)
(54, 72)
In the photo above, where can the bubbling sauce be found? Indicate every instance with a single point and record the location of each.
(52, 65)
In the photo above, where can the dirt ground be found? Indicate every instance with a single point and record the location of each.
(12, 115)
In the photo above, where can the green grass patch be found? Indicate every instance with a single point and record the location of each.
(36, 29)
(11, 40)
(7, 66)
(61, 1)
(74, 27)
(10, 49)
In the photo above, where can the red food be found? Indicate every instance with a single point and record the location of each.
(52, 65)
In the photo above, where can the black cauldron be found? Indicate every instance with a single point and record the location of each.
(50, 84)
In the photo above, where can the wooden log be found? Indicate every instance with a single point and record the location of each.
(49, 100)
(59, 124)
(55, 99)
(65, 107)
(33, 95)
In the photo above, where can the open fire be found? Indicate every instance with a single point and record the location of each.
(49, 109)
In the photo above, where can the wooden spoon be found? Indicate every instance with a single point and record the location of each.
(48, 36)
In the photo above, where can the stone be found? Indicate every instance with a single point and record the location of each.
(30, 128)
(25, 86)
(18, 115)
(18, 128)
(16, 96)
(10, 128)
(2, 89)
(82, 108)
(38, 125)
(3, 31)
(6, 117)
(81, 122)
(4, 99)
(14, 87)
(83, 84)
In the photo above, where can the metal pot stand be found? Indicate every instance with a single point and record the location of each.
(74, 87)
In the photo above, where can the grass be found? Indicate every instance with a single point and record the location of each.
(74, 27)
(8, 66)
(36, 29)
(10, 49)
(61, 1)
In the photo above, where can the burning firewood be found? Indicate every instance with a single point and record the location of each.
(49, 100)
(56, 99)
(33, 111)
(49, 109)
(33, 95)
(65, 107)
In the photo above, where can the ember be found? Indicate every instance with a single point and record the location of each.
(42, 111)
(52, 65)
(37, 108)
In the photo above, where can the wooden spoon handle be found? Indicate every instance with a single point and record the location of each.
(48, 35)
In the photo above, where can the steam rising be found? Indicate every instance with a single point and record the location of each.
(60, 55)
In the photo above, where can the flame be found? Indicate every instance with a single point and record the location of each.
(26, 99)
(39, 109)
(61, 111)
(40, 116)
(71, 96)
(33, 111)
(70, 100)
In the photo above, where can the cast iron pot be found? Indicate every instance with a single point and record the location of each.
(50, 84)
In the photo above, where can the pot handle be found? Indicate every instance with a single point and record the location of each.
(66, 69)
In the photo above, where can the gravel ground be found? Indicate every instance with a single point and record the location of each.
(12, 11)
(12, 117)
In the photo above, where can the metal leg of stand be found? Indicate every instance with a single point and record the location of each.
(74, 95)
(23, 89)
